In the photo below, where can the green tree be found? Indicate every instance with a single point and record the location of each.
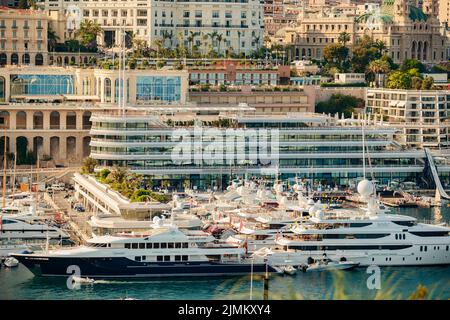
(335, 54)
(88, 32)
(427, 83)
(118, 174)
(399, 80)
(89, 165)
(219, 39)
(52, 39)
(343, 38)
(409, 64)
(340, 103)
(378, 67)
(23, 4)
(364, 51)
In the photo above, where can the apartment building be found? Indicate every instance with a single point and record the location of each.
(239, 22)
(422, 115)
(23, 37)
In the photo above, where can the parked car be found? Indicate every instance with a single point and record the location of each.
(78, 207)
(57, 187)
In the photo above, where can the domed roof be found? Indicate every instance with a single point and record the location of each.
(416, 14)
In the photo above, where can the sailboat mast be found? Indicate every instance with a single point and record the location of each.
(14, 173)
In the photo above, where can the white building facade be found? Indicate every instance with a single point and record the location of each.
(422, 115)
(239, 22)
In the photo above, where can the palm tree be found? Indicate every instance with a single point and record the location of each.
(180, 46)
(159, 45)
(170, 37)
(52, 39)
(118, 174)
(88, 32)
(381, 46)
(165, 36)
(239, 42)
(205, 43)
(191, 39)
(219, 38)
(378, 67)
(139, 46)
(343, 38)
(257, 39)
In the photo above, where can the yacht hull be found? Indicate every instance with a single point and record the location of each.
(437, 255)
(121, 267)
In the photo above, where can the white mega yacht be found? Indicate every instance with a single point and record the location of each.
(371, 236)
(17, 234)
(164, 251)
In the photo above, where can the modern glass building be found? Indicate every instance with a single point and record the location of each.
(158, 88)
(307, 146)
(42, 84)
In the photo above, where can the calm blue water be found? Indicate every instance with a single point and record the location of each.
(396, 283)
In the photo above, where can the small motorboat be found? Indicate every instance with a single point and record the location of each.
(81, 280)
(289, 270)
(11, 262)
(331, 265)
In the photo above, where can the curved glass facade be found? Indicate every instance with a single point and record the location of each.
(158, 88)
(40, 84)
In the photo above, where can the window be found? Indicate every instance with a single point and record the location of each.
(127, 245)
(149, 245)
(144, 258)
(159, 258)
(170, 246)
(134, 245)
(421, 248)
(163, 245)
(166, 258)
(158, 88)
(178, 245)
(177, 258)
(137, 258)
(185, 244)
(156, 246)
(184, 258)
(141, 245)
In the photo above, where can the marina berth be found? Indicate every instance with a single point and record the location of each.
(164, 251)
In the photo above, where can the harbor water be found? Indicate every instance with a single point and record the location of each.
(395, 282)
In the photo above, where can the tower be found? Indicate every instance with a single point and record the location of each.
(401, 8)
(430, 7)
